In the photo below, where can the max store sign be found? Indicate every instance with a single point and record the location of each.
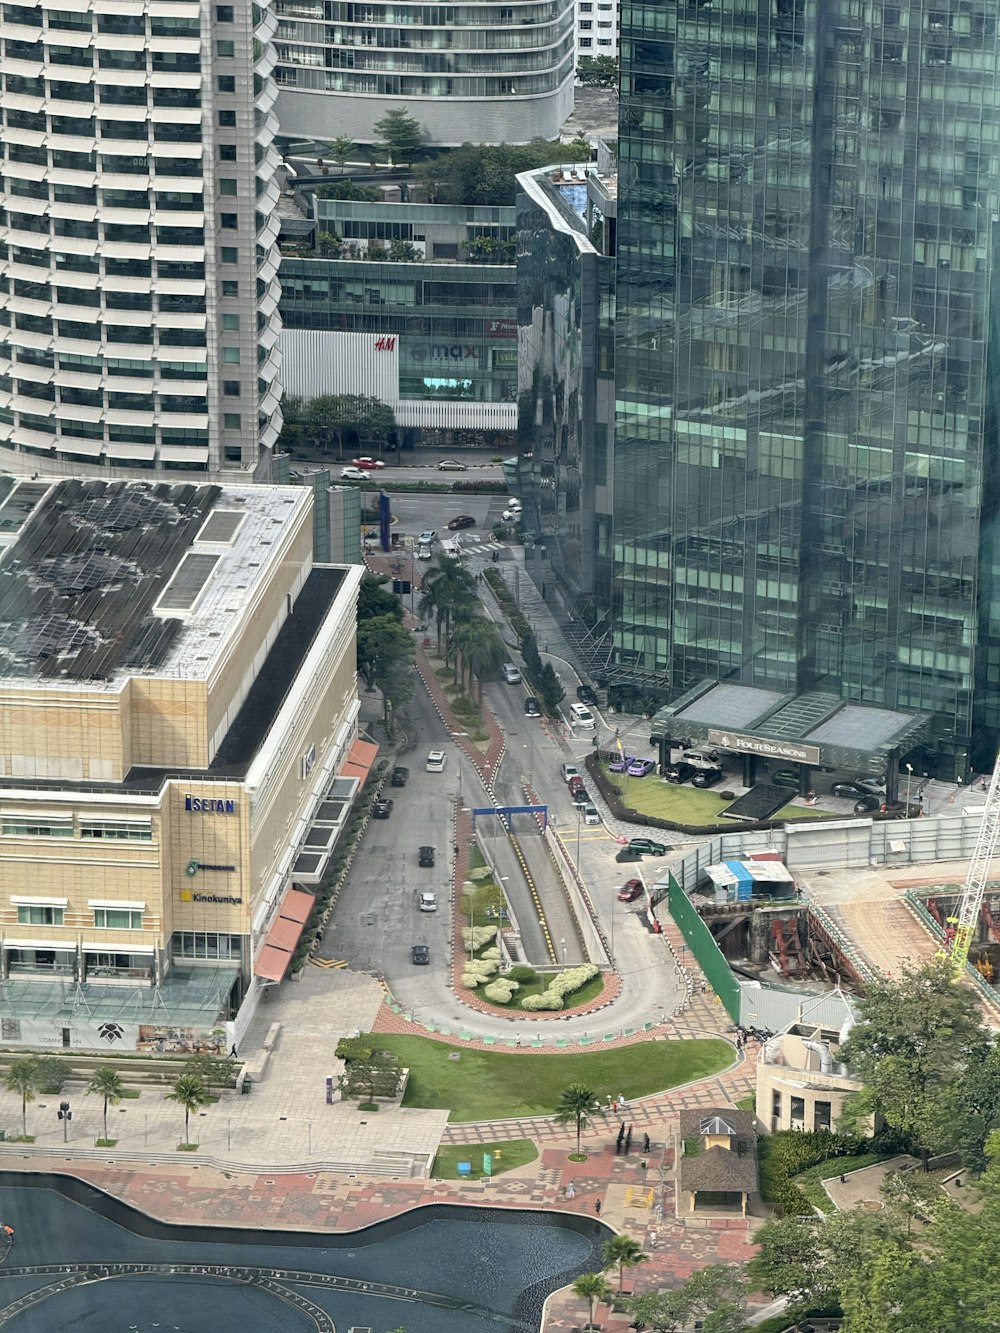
(205, 805)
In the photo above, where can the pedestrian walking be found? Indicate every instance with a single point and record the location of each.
(645, 1143)
(517, 1038)
(232, 1053)
(597, 1207)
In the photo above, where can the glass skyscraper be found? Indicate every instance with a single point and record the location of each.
(805, 457)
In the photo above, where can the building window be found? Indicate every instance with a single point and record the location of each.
(227, 186)
(40, 916)
(229, 254)
(123, 832)
(822, 1117)
(231, 388)
(798, 1112)
(227, 152)
(232, 453)
(117, 918)
(227, 119)
(230, 288)
(231, 356)
(224, 13)
(232, 421)
(229, 221)
(226, 83)
(206, 944)
(231, 323)
(23, 828)
(226, 49)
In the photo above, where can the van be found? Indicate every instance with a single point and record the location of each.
(581, 716)
(436, 761)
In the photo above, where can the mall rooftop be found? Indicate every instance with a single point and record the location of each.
(104, 580)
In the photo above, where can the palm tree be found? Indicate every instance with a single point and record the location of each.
(481, 648)
(576, 1104)
(192, 1094)
(107, 1083)
(624, 1251)
(591, 1287)
(22, 1077)
(447, 591)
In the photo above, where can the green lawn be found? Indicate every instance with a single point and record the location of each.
(686, 804)
(506, 1154)
(810, 1180)
(487, 1085)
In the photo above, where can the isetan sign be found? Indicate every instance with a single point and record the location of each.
(209, 805)
(763, 745)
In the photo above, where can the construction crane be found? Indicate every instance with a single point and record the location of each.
(971, 902)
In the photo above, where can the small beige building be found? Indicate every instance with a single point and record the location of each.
(178, 750)
(716, 1163)
(800, 1082)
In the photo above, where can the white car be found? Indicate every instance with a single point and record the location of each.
(353, 474)
(514, 503)
(568, 771)
(511, 674)
(436, 760)
(451, 465)
(581, 716)
(428, 537)
(428, 902)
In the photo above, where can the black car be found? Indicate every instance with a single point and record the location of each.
(849, 790)
(532, 708)
(462, 521)
(580, 796)
(426, 857)
(400, 777)
(382, 809)
(680, 772)
(647, 846)
(867, 805)
(420, 954)
(586, 695)
(707, 777)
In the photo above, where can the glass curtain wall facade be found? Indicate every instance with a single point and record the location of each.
(138, 256)
(806, 462)
(469, 73)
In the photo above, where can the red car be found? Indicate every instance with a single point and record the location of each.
(369, 464)
(575, 783)
(630, 890)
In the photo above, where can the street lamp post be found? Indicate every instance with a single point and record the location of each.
(562, 942)
(909, 779)
(579, 826)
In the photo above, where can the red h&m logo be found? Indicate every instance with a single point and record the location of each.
(385, 343)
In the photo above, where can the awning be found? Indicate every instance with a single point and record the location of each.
(283, 937)
(359, 760)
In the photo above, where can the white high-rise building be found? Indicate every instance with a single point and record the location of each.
(138, 255)
(598, 28)
(468, 73)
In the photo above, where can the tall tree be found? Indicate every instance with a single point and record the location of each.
(21, 1076)
(400, 135)
(332, 416)
(480, 646)
(373, 600)
(385, 661)
(592, 1288)
(577, 1103)
(623, 1252)
(713, 1298)
(190, 1092)
(107, 1083)
(448, 591)
(600, 72)
(341, 149)
(910, 1050)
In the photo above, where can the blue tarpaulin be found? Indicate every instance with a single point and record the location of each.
(744, 880)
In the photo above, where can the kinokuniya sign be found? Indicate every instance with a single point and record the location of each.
(209, 805)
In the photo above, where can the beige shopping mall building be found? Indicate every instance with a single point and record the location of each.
(179, 751)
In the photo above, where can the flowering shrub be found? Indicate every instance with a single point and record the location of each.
(476, 937)
(547, 1000)
(477, 971)
(562, 984)
(501, 991)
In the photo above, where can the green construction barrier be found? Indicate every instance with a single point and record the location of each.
(707, 953)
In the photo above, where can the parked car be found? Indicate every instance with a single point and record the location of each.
(874, 785)
(569, 771)
(867, 804)
(511, 516)
(630, 890)
(426, 856)
(581, 716)
(428, 902)
(620, 763)
(400, 776)
(511, 674)
(451, 465)
(707, 777)
(353, 474)
(785, 777)
(462, 521)
(647, 847)
(580, 795)
(638, 768)
(682, 772)
(382, 809)
(701, 756)
(368, 464)
(436, 760)
(586, 695)
(427, 538)
(591, 815)
(575, 783)
(848, 790)
(532, 708)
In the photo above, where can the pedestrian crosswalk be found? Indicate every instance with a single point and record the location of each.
(481, 548)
